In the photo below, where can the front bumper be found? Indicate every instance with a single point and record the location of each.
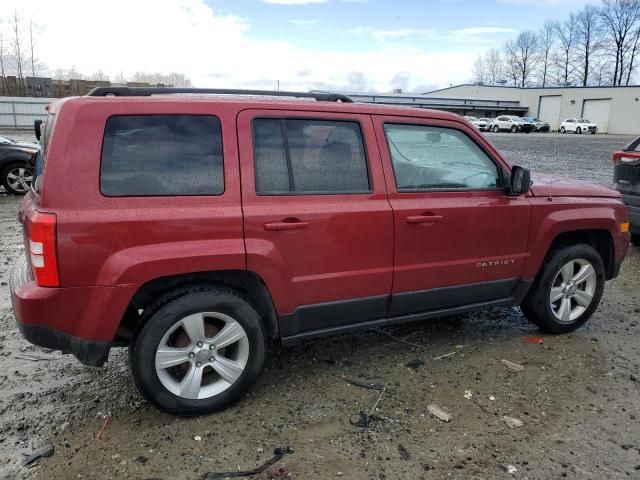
(633, 206)
(81, 321)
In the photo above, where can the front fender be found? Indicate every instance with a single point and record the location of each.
(565, 216)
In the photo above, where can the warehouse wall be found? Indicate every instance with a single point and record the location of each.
(624, 116)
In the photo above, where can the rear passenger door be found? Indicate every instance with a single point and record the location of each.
(318, 225)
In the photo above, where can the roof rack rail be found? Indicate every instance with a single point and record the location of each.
(148, 91)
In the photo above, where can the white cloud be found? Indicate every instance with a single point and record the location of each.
(215, 50)
(293, 2)
(389, 34)
(482, 30)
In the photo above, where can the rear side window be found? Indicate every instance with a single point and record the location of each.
(162, 155)
(297, 156)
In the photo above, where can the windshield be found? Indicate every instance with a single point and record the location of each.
(583, 120)
(471, 119)
(515, 119)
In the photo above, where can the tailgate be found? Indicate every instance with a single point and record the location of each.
(626, 174)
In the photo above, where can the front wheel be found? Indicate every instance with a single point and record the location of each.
(17, 178)
(199, 349)
(567, 289)
(578, 130)
(635, 239)
(563, 130)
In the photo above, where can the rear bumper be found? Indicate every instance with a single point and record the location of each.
(633, 206)
(81, 321)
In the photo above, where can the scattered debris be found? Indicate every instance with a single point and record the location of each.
(33, 358)
(43, 452)
(509, 468)
(492, 398)
(197, 438)
(414, 364)
(107, 419)
(438, 412)
(278, 453)
(370, 386)
(512, 366)
(445, 355)
(532, 339)
(404, 453)
(468, 394)
(513, 422)
(404, 341)
(364, 420)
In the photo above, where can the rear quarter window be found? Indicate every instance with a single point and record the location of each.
(162, 155)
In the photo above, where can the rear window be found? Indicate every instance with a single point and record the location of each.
(41, 155)
(298, 156)
(162, 155)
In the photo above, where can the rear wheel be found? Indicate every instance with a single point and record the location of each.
(514, 129)
(567, 290)
(16, 178)
(495, 129)
(635, 239)
(200, 349)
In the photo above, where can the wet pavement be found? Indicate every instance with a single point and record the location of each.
(578, 395)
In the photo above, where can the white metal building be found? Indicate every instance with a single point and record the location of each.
(613, 109)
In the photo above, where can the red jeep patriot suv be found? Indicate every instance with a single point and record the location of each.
(196, 227)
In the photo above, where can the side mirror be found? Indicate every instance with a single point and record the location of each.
(520, 181)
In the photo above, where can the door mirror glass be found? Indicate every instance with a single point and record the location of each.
(520, 181)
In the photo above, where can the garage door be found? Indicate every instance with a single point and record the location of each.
(597, 111)
(549, 110)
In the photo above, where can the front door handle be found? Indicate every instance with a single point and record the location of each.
(424, 218)
(288, 224)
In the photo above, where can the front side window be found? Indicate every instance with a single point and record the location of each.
(162, 155)
(294, 156)
(427, 158)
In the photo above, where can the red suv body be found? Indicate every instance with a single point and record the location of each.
(306, 217)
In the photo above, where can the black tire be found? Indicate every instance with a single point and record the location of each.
(536, 306)
(495, 129)
(6, 182)
(635, 239)
(578, 131)
(514, 129)
(167, 312)
(563, 130)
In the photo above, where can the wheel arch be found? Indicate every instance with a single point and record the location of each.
(246, 282)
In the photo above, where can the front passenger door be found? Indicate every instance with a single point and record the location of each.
(459, 239)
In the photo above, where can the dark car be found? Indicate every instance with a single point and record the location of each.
(539, 125)
(16, 160)
(626, 178)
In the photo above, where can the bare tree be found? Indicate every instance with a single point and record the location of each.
(16, 44)
(478, 70)
(634, 49)
(173, 78)
(99, 76)
(566, 33)
(547, 42)
(522, 57)
(2, 69)
(588, 34)
(493, 65)
(620, 18)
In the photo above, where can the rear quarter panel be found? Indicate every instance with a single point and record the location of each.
(115, 241)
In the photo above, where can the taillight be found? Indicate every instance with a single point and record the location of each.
(622, 159)
(42, 249)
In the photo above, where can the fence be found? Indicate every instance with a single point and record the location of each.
(20, 112)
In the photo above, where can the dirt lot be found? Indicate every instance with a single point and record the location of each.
(578, 395)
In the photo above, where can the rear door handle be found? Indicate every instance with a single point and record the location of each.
(424, 218)
(285, 225)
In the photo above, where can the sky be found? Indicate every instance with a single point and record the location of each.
(338, 45)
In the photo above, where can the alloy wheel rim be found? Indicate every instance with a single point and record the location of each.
(19, 179)
(572, 290)
(214, 358)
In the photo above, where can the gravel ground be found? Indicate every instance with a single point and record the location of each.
(578, 395)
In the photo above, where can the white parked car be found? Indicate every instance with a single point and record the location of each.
(511, 123)
(480, 124)
(487, 124)
(578, 125)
